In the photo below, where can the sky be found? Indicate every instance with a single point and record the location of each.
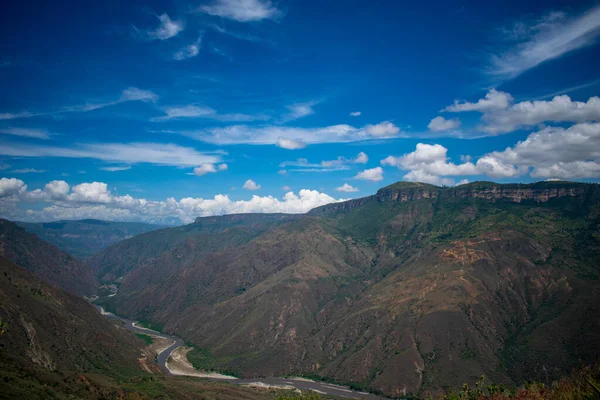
(163, 111)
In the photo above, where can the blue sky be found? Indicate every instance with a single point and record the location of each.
(166, 110)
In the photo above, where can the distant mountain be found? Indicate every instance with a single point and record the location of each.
(157, 254)
(414, 289)
(45, 260)
(86, 237)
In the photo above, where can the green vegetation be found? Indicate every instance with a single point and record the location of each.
(301, 396)
(146, 338)
(151, 325)
(582, 385)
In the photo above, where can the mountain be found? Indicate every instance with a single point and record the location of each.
(56, 345)
(415, 289)
(86, 237)
(45, 260)
(49, 329)
(158, 253)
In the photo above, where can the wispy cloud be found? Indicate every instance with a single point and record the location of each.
(242, 10)
(115, 169)
(195, 111)
(26, 132)
(339, 164)
(547, 38)
(189, 51)
(28, 171)
(355, 114)
(166, 29)
(129, 153)
(129, 94)
(299, 110)
(273, 135)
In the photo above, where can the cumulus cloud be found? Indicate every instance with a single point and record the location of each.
(290, 144)
(209, 168)
(555, 152)
(383, 129)
(544, 39)
(130, 153)
(94, 200)
(494, 100)
(346, 188)
(552, 152)
(250, 185)
(26, 132)
(355, 114)
(166, 29)
(501, 114)
(11, 186)
(242, 10)
(271, 135)
(439, 124)
(372, 174)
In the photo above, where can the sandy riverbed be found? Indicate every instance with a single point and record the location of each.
(178, 364)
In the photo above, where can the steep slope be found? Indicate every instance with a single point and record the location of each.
(156, 254)
(86, 237)
(414, 289)
(51, 329)
(45, 260)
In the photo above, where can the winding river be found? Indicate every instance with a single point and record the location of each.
(281, 383)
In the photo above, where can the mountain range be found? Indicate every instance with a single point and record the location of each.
(86, 237)
(415, 289)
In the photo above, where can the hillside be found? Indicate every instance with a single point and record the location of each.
(45, 260)
(86, 237)
(157, 254)
(54, 330)
(415, 289)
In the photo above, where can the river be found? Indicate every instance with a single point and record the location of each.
(283, 383)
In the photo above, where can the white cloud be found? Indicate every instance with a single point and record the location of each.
(11, 186)
(28, 171)
(383, 129)
(555, 153)
(209, 168)
(188, 51)
(355, 114)
(361, 158)
(494, 100)
(428, 164)
(299, 110)
(115, 169)
(290, 144)
(194, 111)
(167, 28)
(94, 200)
(339, 164)
(250, 185)
(501, 114)
(130, 153)
(129, 94)
(442, 124)
(286, 188)
(424, 177)
(346, 188)
(548, 38)
(242, 10)
(26, 132)
(282, 172)
(271, 135)
(373, 174)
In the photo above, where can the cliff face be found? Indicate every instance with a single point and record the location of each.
(401, 192)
